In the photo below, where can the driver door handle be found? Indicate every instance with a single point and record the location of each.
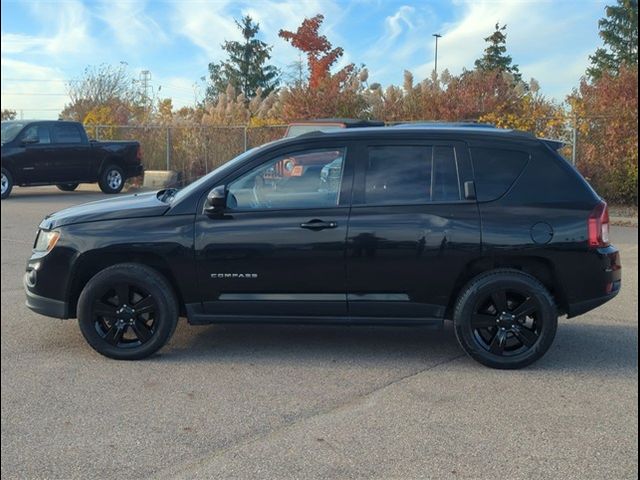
(316, 224)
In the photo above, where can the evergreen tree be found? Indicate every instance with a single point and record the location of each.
(495, 56)
(245, 67)
(619, 31)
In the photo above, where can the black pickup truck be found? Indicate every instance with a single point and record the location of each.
(60, 153)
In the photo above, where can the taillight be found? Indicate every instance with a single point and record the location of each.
(599, 226)
(139, 153)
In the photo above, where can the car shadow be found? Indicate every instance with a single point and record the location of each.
(43, 193)
(578, 348)
(253, 343)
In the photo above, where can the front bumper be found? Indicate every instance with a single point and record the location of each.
(45, 306)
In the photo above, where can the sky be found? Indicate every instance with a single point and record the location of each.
(45, 43)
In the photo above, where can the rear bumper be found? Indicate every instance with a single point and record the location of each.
(603, 282)
(134, 171)
(579, 308)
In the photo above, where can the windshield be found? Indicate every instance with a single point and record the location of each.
(180, 194)
(10, 130)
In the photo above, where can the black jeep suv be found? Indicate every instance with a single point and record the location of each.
(410, 225)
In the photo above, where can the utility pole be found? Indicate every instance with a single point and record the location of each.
(145, 82)
(437, 35)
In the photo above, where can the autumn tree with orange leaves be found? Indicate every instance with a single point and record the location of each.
(325, 94)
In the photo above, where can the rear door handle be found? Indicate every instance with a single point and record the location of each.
(316, 224)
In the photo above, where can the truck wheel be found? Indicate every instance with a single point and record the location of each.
(67, 187)
(6, 183)
(505, 319)
(127, 311)
(111, 179)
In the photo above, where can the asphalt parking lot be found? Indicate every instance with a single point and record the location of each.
(279, 402)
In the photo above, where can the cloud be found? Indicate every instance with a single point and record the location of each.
(402, 42)
(206, 25)
(16, 43)
(393, 23)
(463, 39)
(130, 23)
(548, 40)
(209, 25)
(65, 32)
(71, 22)
(42, 96)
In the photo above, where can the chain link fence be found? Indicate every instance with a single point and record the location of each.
(191, 150)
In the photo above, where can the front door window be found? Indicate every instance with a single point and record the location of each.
(308, 179)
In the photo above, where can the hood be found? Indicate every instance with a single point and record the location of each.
(128, 206)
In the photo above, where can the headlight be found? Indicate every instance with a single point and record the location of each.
(46, 240)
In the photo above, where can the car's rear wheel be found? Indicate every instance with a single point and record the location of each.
(6, 183)
(505, 319)
(111, 179)
(127, 311)
(67, 187)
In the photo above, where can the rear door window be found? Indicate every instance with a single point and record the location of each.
(496, 170)
(406, 175)
(66, 134)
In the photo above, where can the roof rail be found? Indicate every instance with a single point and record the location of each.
(436, 123)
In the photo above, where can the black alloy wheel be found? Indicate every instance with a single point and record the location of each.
(506, 322)
(127, 311)
(505, 319)
(124, 316)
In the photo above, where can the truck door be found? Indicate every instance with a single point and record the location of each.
(71, 162)
(34, 162)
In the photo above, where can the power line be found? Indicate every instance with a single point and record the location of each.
(63, 80)
(34, 94)
(6, 79)
(36, 109)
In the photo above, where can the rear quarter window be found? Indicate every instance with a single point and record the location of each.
(496, 170)
(548, 178)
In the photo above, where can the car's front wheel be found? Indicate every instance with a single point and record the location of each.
(67, 187)
(505, 319)
(111, 179)
(127, 311)
(6, 183)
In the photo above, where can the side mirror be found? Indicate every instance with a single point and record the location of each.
(29, 141)
(216, 201)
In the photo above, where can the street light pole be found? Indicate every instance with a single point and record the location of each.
(437, 35)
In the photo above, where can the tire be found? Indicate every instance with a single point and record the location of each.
(67, 187)
(115, 326)
(111, 179)
(505, 319)
(6, 183)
